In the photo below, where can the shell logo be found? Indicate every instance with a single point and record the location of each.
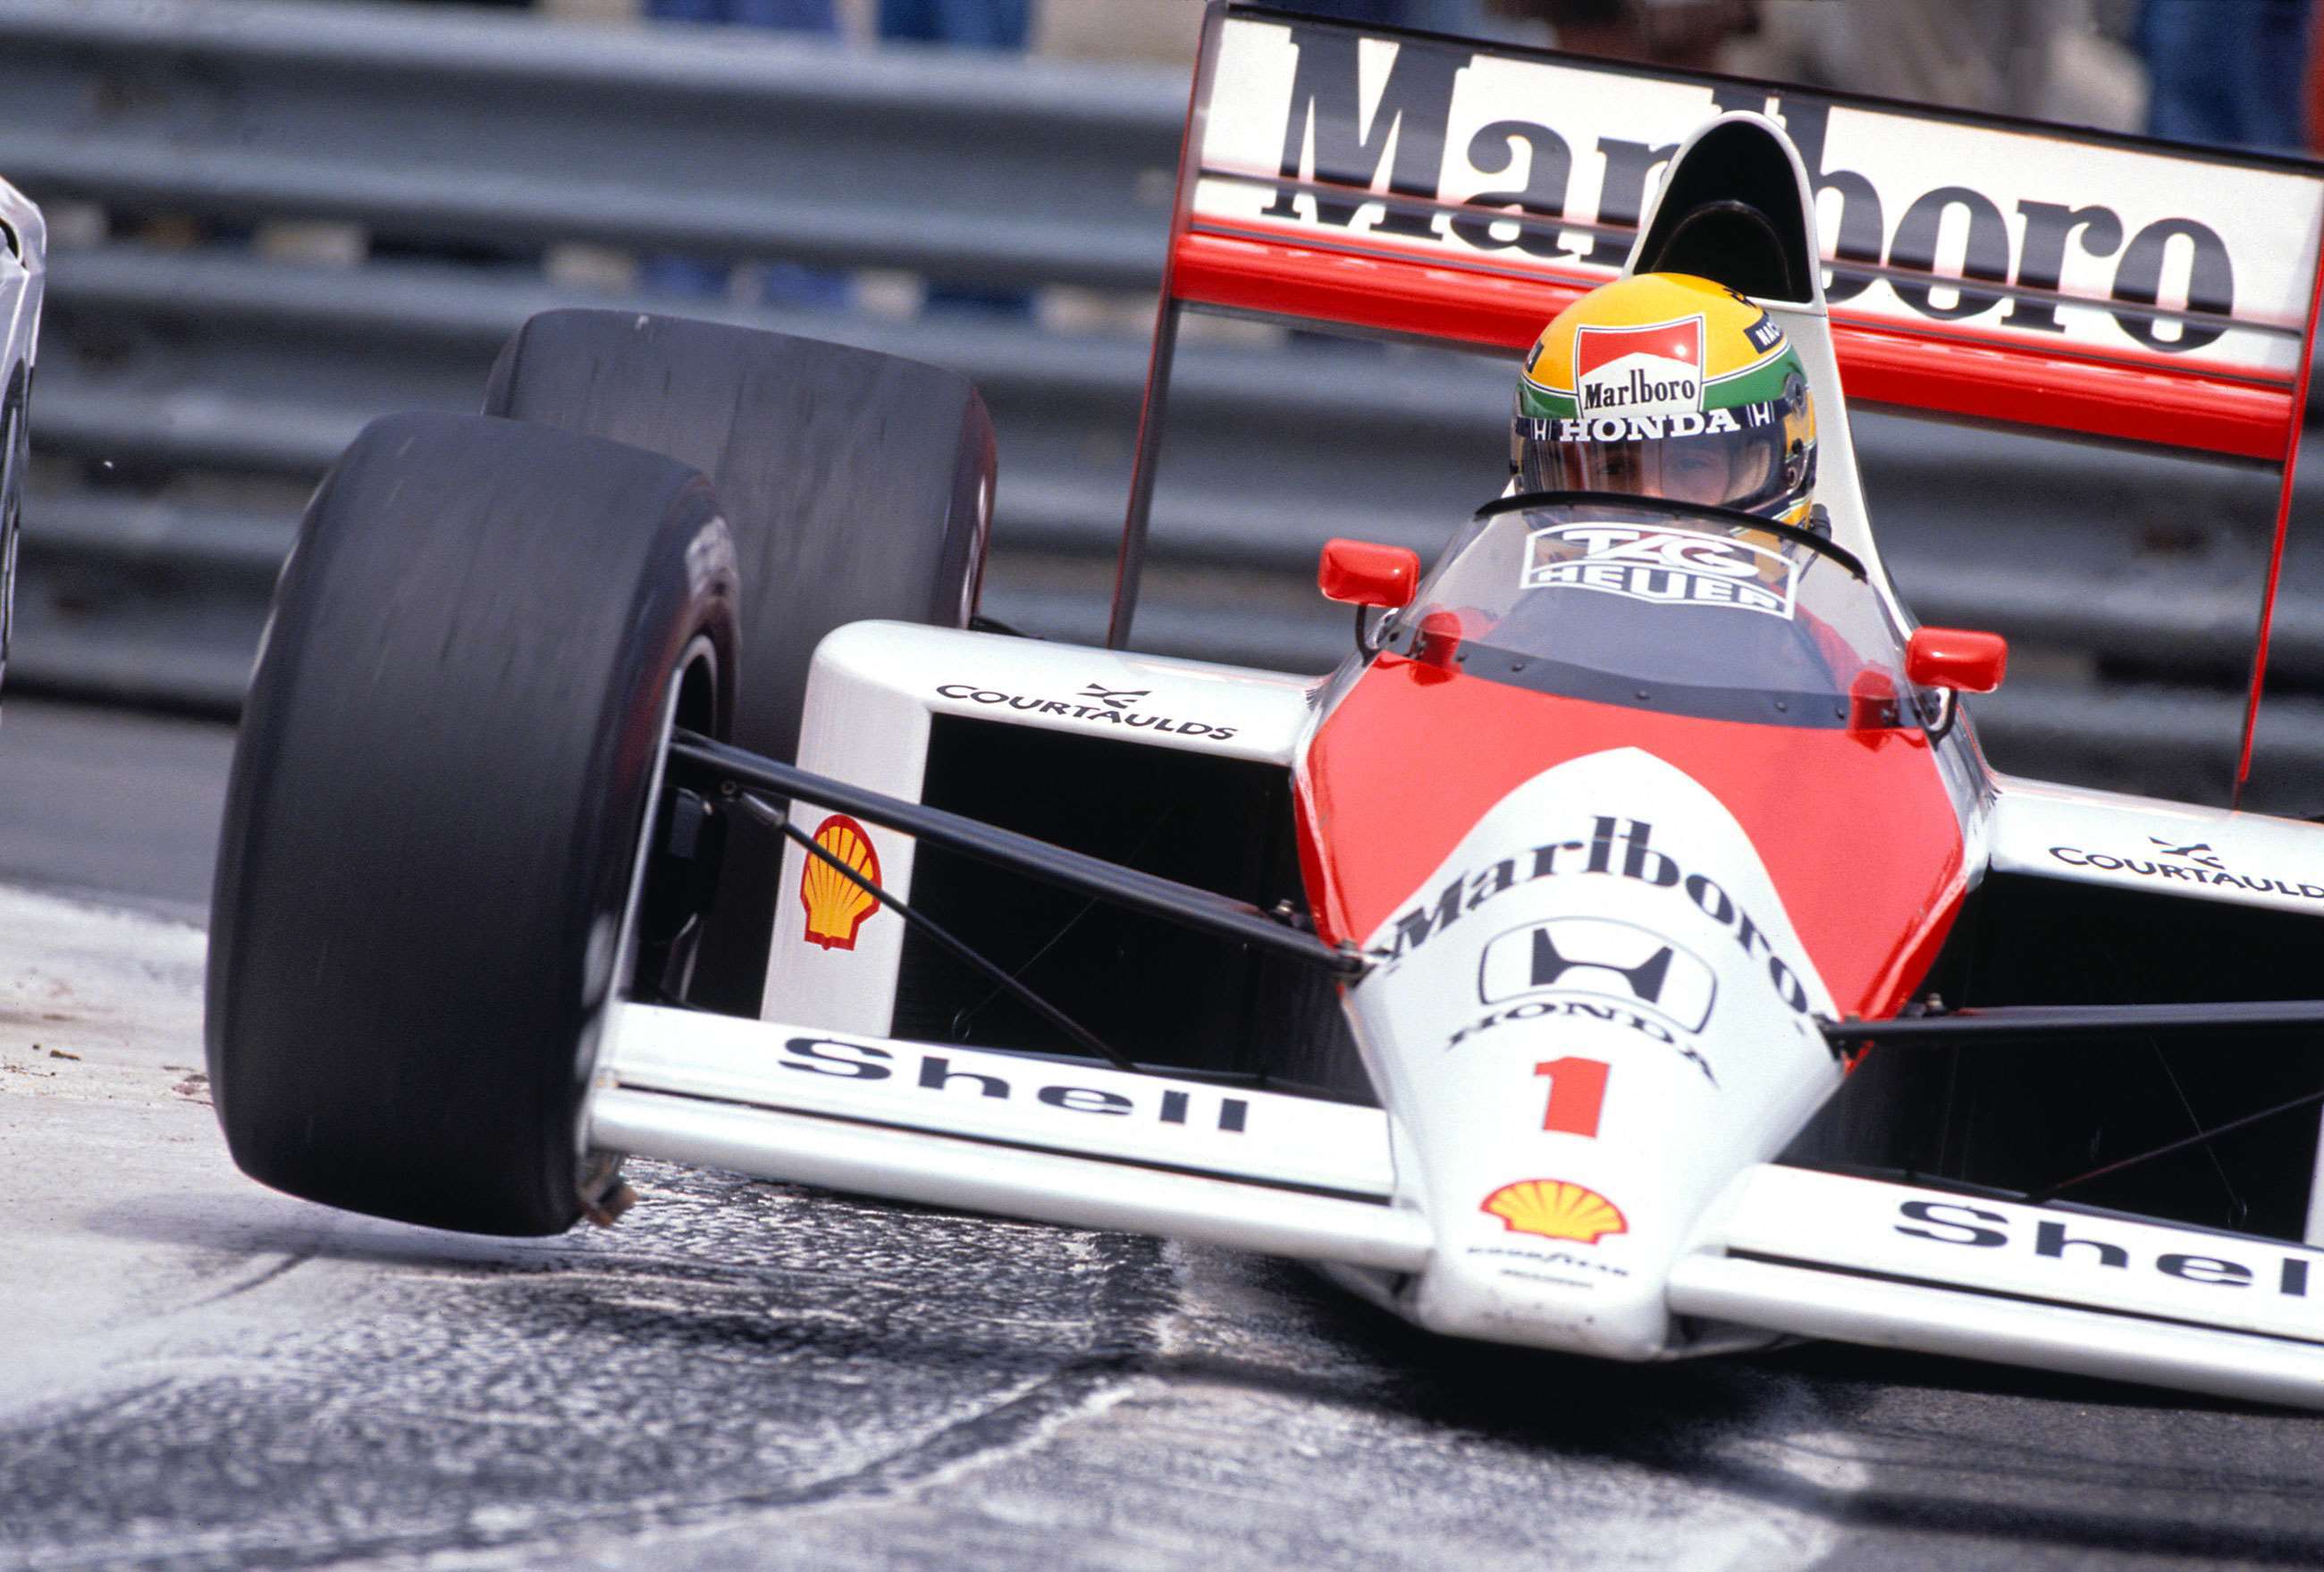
(836, 905)
(1556, 1210)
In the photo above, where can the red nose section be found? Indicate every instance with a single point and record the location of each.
(1855, 826)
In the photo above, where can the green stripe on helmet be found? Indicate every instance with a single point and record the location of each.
(1539, 403)
(1761, 383)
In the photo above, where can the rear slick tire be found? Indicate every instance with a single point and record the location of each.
(432, 829)
(859, 485)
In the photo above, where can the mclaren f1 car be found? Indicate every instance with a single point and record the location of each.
(23, 257)
(1627, 951)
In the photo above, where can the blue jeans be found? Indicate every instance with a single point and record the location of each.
(787, 283)
(789, 15)
(993, 24)
(1003, 24)
(2226, 71)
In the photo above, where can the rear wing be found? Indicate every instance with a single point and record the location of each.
(1976, 266)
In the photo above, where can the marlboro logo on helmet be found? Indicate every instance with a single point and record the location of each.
(1656, 370)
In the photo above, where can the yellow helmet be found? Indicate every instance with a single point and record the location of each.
(1667, 385)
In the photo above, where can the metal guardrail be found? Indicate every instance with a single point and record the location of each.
(434, 124)
(216, 384)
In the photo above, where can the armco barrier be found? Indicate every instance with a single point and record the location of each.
(187, 397)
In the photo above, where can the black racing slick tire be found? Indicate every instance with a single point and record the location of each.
(433, 822)
(859, 485)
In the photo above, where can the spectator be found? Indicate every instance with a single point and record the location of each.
(2046, 59)
(998, 24)
(1462, 18)
(1004, 25)
(2226, 71)
(787, 283)
(785, 15)
(2315, 84)
(1683, 34)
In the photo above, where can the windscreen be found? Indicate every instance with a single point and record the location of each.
(1660, 606)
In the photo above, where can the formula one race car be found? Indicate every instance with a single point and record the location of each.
(1627, 951)
(23, 258)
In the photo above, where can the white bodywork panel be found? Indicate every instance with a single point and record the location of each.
(1614, 860)
(1018, 1100)
(1010, 1134)
(1895, 1266)
(871, 693)
(2161, 847)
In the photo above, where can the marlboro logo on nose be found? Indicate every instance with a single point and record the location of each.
(1639, 371)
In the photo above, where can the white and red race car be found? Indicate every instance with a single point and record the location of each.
(1627, 951)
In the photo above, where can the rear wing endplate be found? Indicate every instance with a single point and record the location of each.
(1976, 266)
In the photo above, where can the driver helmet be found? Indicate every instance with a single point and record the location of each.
(1667, 385)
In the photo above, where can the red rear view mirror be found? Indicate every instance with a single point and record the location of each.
(1955, 657)
(1364, 574)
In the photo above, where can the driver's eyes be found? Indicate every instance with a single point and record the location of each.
(1695, 481)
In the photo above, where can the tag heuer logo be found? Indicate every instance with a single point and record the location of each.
(1664, 567)
(1639, 371)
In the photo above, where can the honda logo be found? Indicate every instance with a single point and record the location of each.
(1604, 958)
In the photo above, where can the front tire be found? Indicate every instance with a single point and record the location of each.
(432, 835)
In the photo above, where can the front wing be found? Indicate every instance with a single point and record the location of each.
(1055, 1140)
(1896, 1265)
(1782, 1250)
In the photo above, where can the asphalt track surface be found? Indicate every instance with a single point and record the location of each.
(196, 1373)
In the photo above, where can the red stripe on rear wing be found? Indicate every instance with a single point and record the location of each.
(1962, 373)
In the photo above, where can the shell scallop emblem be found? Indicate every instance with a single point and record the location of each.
(836, 905)
(1556, 1210)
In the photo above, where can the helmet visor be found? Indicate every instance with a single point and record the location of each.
(1742, 469)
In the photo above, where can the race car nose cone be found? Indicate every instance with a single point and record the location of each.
(1589, 1020)
(1547, 1293)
